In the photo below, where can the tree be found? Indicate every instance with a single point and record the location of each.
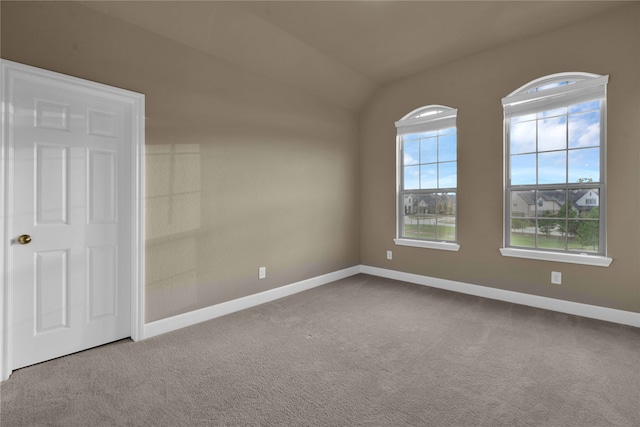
(588, 233)
(519, 224)
(449, 206)
(567, 227)
(546, 225)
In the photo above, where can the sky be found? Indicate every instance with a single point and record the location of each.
(567, 139)
(430, 160)
(555, 146)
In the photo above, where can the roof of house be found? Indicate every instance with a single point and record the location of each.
(553, 195)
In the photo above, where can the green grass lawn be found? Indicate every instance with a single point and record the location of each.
(546, 242)
(431, 232)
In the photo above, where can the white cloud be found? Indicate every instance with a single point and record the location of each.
(591, 136)
(408, 160)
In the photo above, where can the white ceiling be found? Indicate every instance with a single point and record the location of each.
(343, 50)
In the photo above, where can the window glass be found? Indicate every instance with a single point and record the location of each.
(554, 154)
(428, 179)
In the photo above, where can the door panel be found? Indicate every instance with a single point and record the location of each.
(51, 115)
(102, 281)
(51, 183)
(102, 186)
(51, 290)
(71, 284)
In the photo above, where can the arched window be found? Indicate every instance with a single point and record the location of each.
(554, 130)
(427, 178)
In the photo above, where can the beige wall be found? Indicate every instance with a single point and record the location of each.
(610, 45)
(242, 171)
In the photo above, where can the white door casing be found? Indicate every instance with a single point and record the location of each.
(72, 179)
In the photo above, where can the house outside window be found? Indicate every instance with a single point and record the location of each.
(555, 169)
(427, 178)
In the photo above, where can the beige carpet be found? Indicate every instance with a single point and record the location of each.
(360, 351)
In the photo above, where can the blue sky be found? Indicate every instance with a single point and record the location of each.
(568, 141)
(430, 160)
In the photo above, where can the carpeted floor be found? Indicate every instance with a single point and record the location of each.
(360, 351)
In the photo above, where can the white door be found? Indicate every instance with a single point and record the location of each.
(70, 257)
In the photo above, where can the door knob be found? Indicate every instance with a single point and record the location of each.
(25, 239)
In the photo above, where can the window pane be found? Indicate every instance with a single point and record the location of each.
(447, 175)
(427, 205)
(429, 176)
(409, 203)
(447, 131)
(411, 177)
(584, 130)
(523, 169)
(429, 150)
(523, 228)
(415, 215)
(409, 210)
(585, 106)
(423, 221)
(595, 212)
(552, 167)
(523, 137)
(447, 148)
(587, 236)
(548, 236)
(523, 204)
(587, 202)
(446, 217)
(411, 152)
(552, 134)
(550, 202)
(584, 165)
(523, 232)
(523, 240)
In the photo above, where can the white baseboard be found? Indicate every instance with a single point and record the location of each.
(202, 315)
(585, 310)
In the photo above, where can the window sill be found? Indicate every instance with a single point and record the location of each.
(585, 259)
(444, 246)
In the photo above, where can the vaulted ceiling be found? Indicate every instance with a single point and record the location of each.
(343, 50)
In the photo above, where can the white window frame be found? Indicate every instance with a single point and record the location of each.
(526, 100)
(423, 119)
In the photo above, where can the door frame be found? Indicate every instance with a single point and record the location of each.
(9, 72)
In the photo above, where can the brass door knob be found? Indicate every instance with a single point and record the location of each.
(25, 239)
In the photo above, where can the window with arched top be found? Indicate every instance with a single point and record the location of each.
(427, 170)
(554, 145)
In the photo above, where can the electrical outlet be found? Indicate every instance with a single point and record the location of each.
(389, 255)
(262, 272)
(556, 277)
